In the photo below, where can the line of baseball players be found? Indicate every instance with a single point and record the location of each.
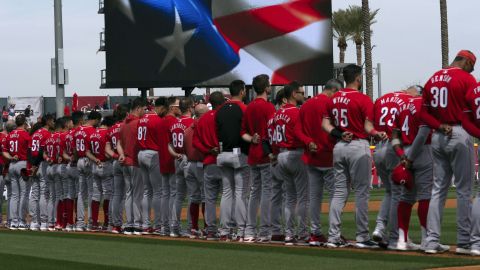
(275, 162)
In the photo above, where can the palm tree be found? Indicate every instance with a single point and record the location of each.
(355, 18)
(368, 47)
(444, 30)
(341, 31)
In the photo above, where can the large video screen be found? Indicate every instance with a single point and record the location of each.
(182, 43)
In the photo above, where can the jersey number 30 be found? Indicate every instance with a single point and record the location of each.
(439, 97)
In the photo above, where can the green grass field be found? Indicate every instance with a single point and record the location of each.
(33, 250)
(27, 250)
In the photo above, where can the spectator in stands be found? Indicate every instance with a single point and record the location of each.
(28, 111)
(66, 110)
(11, 111)
(4, 115)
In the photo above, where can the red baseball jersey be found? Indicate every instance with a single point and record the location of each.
(17, 143)
(387, 108)
(177, 133)
(3, 137)
(192, 153)
(38, 141)
(113, 135)
(167, 164)
(69, 143)
(62, 143)
(128, 138)
(82, 139)
(52, 147)
(444, 94)
(349, 109)
(285, 120)
(98, 140)
(309, 129)
(409, 121)
(255, 120)
(473, 102)
(148, 130)
(205, 136)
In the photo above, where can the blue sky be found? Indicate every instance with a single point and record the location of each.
(407, 39)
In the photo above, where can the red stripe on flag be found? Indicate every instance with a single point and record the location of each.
(252, 26)
(303, 72)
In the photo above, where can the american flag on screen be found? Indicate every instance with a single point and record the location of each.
(211, 42)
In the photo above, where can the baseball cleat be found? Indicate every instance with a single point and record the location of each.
(338, 244)
(79, 229)
(147, 231)
(69, 228)
(263, 240)
(116, 230)
(51, 228)
(290, 241)
(194, 234)
(475, 252)
(377, 236)
(317, 240)
(22, 227)
(34, 229)
(13, 227)
(463, 250)
(406, 246)
(249, 240)
(128, 231)
(226, 238)
(137, 231)
(439, 249)
(369, 244)
(212, 237)
(175, 234)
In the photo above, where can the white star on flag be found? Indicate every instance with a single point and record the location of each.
(175, 43)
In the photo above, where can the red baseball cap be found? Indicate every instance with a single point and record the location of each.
(468, 55)
(402, 176)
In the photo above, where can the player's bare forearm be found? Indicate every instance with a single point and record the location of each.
(120, 148)
(370, 129)
(327, 125)
(172, 151)
(7, 155)
(247, 137)
(66, 157)
(109, 151)
(91, 156)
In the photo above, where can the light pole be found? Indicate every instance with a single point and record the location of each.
(59, 62)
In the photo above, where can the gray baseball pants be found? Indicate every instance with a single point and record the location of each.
(352, 164)
(103, 185)
(319, 179)
(422, 169)
(181, 192)
(213, 182)
(39, 196)
(452, 156)
(169, 186)
(293, 172)
(20, 192)
(260, 195)
(152, 181)
(134, 194)
(278, 200)
(194, 180)
(2, 188)
(385, 161)
(85, 191)
(118, 202)
(236, 183)
(55, 190)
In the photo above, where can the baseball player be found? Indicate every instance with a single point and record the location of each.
(9, 127)
(71, 169)
(102, 173)
(412, 146)
(39, 191)
(232, 161)
(194, 174)
(349, 118)
(167, 168)
(127, 147)
(118, 181)
(386, 111)
(205, 140)
(177, 150)
(471, 123)
(318, 155)
(148, 140)
(290, 166)
(52, 156)
(3, 164)
(452, 147)
(68, 183)
(85, 180)
(254, 131)
(15, 149)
